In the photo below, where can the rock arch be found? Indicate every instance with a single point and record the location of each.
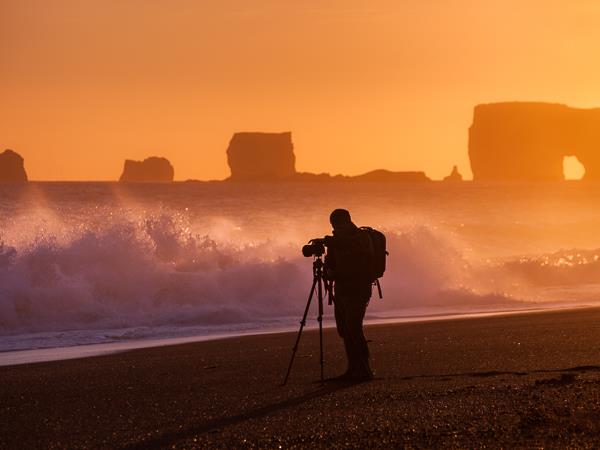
(528, 140)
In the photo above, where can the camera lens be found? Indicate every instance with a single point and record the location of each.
(307, 250)
(314, 249)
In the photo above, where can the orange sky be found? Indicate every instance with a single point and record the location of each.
(85, 84)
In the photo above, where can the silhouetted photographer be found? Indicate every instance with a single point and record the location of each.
(349, 264)
(354, 260)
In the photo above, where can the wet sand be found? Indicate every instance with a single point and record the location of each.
(513, 381)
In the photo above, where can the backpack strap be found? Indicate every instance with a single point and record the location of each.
(378, 287)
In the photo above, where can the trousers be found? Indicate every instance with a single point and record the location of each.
(350, 305)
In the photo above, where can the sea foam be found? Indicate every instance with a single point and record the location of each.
(97, 272)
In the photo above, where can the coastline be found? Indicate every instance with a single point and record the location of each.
(518, 380)
(60, 353)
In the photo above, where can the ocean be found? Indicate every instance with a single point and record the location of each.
(97, 263)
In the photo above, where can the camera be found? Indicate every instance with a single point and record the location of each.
(316, 247)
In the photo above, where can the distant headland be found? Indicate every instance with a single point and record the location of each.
(508, 141)
(527, 141)
(256, 156)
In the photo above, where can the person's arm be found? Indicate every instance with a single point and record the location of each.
(330, 262)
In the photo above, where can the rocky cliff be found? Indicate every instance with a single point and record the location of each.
(527, 141)
(153, 169)
(261, 156)
(12, 169)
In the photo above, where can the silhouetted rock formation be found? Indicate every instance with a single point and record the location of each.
(270, 157)
(11, 167)
(386, 175)
(379, 175)
(528, 141)
(308, 176)
(261, 156)
(454, 175)
(153, 169)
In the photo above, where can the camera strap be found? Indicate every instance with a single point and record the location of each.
(329, 290)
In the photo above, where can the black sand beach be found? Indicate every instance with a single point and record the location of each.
(512, 381)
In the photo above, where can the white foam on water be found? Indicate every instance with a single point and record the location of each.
(76, 272)
(37, 355)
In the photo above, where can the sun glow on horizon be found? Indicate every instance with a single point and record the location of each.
(361, 85)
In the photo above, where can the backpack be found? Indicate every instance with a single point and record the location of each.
(379, 255)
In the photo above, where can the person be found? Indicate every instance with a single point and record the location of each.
(347, 264)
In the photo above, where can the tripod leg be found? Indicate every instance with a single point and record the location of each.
(302, 323)
(320, 319)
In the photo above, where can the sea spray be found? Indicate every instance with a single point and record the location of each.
(87, 262)
(156, 272)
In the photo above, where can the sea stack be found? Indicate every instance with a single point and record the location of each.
(454, 175)
(150, 170)
(527, 141)
(12, 169)
(261, 156)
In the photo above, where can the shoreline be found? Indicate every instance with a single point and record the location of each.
(520, 380)
(61, 353)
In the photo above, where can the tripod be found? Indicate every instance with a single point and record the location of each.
(318, 283)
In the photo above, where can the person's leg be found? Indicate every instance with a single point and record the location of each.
(340, 308)
(350, 308)
(359, 349)
(338, 311)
